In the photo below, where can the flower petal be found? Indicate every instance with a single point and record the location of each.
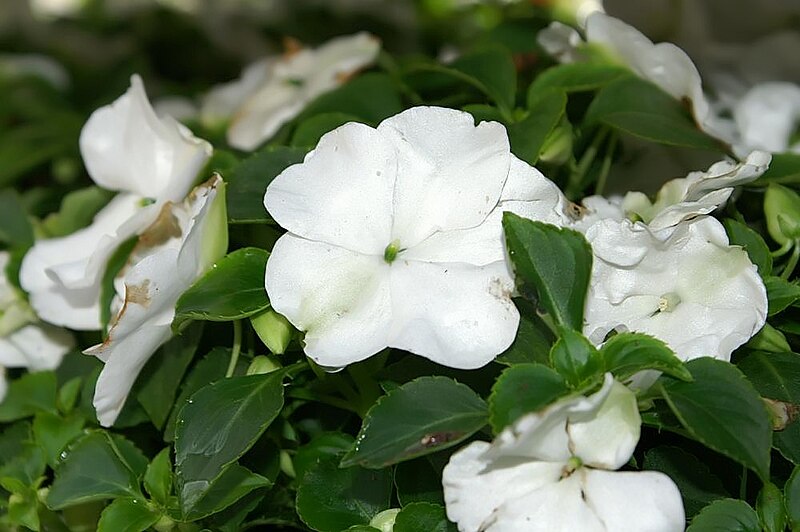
(36, 347)
(3, 384)
(341, 194)
(221, 102)
(475, 487)
(126, 147)
(271, 106)
(645, 501)
(341, 299)
(767, 116)
(454, 314)
(450, 173)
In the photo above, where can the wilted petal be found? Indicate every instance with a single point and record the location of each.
(474, 487)
(450, 172)
(644, 501)
(340, 298)
(36, 347)
(126, 147)
(455, 314)
(341, 193)
(153, 284)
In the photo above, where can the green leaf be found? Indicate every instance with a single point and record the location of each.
(777, 376)
(218, 425)
(726, 515)
(626, 354)
(158, 478)
(330, 499)
(419, 480)
(769, 339)
(77, 210)
(575, 77)
(781, 204)
(53, 433)
(575, 358)
(115, 264)
(770, 509)
(12, 439)
(780, 294)
(557, 262)
(29, 394)
(15, 227)
(95, 467)
(127, 515)
(722, 410)
(697, 484)
(23, 509)
(528, 136)
(248, 182)
(423, 516)
(309, 132)
(533, 342)
(232, 290)
(784, 169)
(231, 485)
(422, 416)
(522, 389)
(370, 97)
(493, 72)
(326, 444)
(638, 107)
(792, 499)
(741, 235)
(27, 466)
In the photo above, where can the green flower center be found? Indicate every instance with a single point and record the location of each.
(391, 251)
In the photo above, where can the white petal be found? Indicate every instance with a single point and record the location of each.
(126, 147)
(646, 501)
(63, 275)
(341, 193)
(274, 104)
(221, 102)
(595, 209)
(152, 288)
(3, 384)
(531, 195)
(727, 174)
(686, 210)
(341, 299)
(450, 173)
(332, 63)
(607, 438)
(36, 347)
(454, 314)
(475, 487)
(768, 115)
(560, 41)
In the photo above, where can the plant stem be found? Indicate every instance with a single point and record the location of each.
(783, 250)
(585, 162)
(606, 166)
(236, 349)
(792, 262)
(743, 484)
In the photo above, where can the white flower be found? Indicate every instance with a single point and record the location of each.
(150, 161)
(273, 91)
(40, 66)
(395, 239)
(767, 117)
(182, 244)
(23, 342)
(685, 286)
(554, 470)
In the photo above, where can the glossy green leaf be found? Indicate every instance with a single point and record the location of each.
(528, 136)
(29, 394)
(784, 169)
(370, 97)
(94, 467)
(533, 342)
(232, 290)
(419, 480)
(420, 516)
(15, 227)
(158, 477)
(626, 354)
(324, 445)
(493, 70)
(741, 235)
(638, 107)
(53, 433)
(726, 515)
(780, 293)
(330, 498)
(248, 182)
(697, 484)
(722, 410)
(791, 497)
(554, 262)
(230, 486)
(770, 509)
(127, 515)
(777, 376)
(219, 424)
(522, 389)
(575, 77)
(575, 358)
(310, 131)
(422, 416)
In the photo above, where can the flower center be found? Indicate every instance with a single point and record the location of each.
(574, 463)
(668, 302)
(391, 251)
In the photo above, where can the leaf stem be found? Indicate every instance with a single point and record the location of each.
(792, 262)
(236, 349)
(600, 185)
(743, 484)
(783, 250)
(585, 162)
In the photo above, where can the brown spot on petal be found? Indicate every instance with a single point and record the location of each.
(138, 294)
(164, 228)
(291, 46)
(574, 211)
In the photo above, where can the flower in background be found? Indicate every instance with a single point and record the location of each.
(685, 285)
(180, 246)
(150, 161)
(24, 343)
(555, 470)
(767, 118)
(395, 239)
(271, 91)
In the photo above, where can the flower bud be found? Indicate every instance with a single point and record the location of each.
(273, 329)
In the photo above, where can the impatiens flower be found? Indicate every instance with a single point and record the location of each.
(767, 117)
(180, 246)
(395, 239)
(150, 161)
(24, 343)
(685, 286)
(273, 91)
(554, 471)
